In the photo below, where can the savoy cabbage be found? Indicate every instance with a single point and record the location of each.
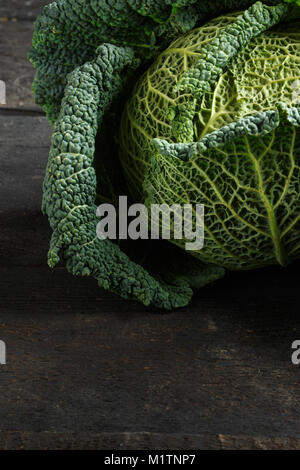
(212, 118)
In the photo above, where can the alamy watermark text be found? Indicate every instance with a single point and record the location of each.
(178, 222)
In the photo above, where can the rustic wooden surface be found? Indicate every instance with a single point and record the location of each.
(88, 370)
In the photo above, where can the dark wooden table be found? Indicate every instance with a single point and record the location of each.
(88, 370)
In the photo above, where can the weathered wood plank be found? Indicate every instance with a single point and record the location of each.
(24, 143)
(21, 9)
(139, 441)
(83, 360)
(105, 441)
(80, 359)
(15, 69)
(24, 130)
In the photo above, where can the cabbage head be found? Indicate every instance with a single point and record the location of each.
(213, 123)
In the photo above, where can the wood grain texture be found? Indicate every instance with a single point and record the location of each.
(87, 370)
(21, 9)
(139, 441)
(24, 143)
(80, 359)
(16, 29)
(15, 69)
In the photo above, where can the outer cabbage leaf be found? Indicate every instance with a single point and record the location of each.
(68, 33)
(70, 191)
